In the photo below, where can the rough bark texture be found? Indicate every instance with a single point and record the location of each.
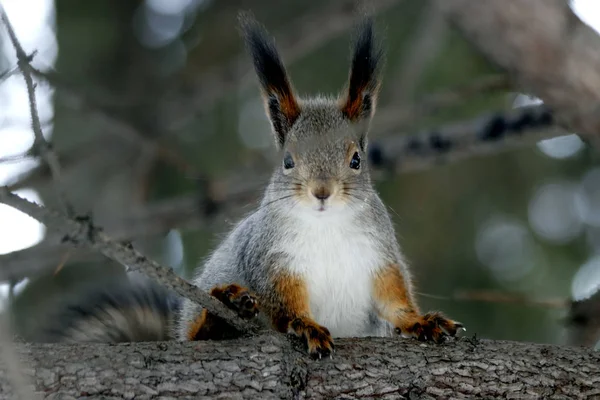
(268, 367)
(545, 47)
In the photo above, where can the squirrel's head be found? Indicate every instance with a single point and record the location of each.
(323, 141)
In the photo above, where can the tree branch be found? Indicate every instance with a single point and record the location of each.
(267, 367)
(545, 47)
(40, 144)
(184, 212)
(83, 233)
(484, 135)
(487, 296)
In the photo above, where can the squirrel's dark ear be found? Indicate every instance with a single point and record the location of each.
(359, 99)
(280, 102)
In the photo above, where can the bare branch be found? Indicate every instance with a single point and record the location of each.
(487, 296)
(15, 158)
(40, 144)
(485, 135)
(545, 47)
(84, 233)
(7, 74)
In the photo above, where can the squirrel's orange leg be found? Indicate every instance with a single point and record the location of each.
(396, 305)
(288, 306)
(208, 326)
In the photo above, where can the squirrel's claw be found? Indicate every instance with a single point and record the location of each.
(319, 347)
(320, 352)
(247, 306)
(317, 338)
(432, 326)
(238, 299)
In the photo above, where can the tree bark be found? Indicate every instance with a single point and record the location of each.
(545, 48)
(269, 367)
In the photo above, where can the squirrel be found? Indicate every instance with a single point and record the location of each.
(318, 258)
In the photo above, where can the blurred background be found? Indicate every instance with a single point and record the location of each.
(156, 118)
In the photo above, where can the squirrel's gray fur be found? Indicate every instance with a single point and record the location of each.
(335, 244)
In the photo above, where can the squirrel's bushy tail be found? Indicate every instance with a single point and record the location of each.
(123, 312)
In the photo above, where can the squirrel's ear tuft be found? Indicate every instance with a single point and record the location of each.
(358, 102)
(280, 102)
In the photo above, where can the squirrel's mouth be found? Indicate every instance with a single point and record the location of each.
(321, 205)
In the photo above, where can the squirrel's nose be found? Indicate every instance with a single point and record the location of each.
(321, 193)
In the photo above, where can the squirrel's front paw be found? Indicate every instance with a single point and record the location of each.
(238, 299)
(317, 337)
(431, 326)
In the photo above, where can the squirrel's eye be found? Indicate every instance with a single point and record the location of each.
(288, 161)
(355, 162)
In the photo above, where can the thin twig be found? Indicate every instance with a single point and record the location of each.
(40, 143)
(487, 134)
(15, 158)
(7, 74)
(82, 232)
(500, 297)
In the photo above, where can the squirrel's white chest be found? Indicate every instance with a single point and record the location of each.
(337, 259)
